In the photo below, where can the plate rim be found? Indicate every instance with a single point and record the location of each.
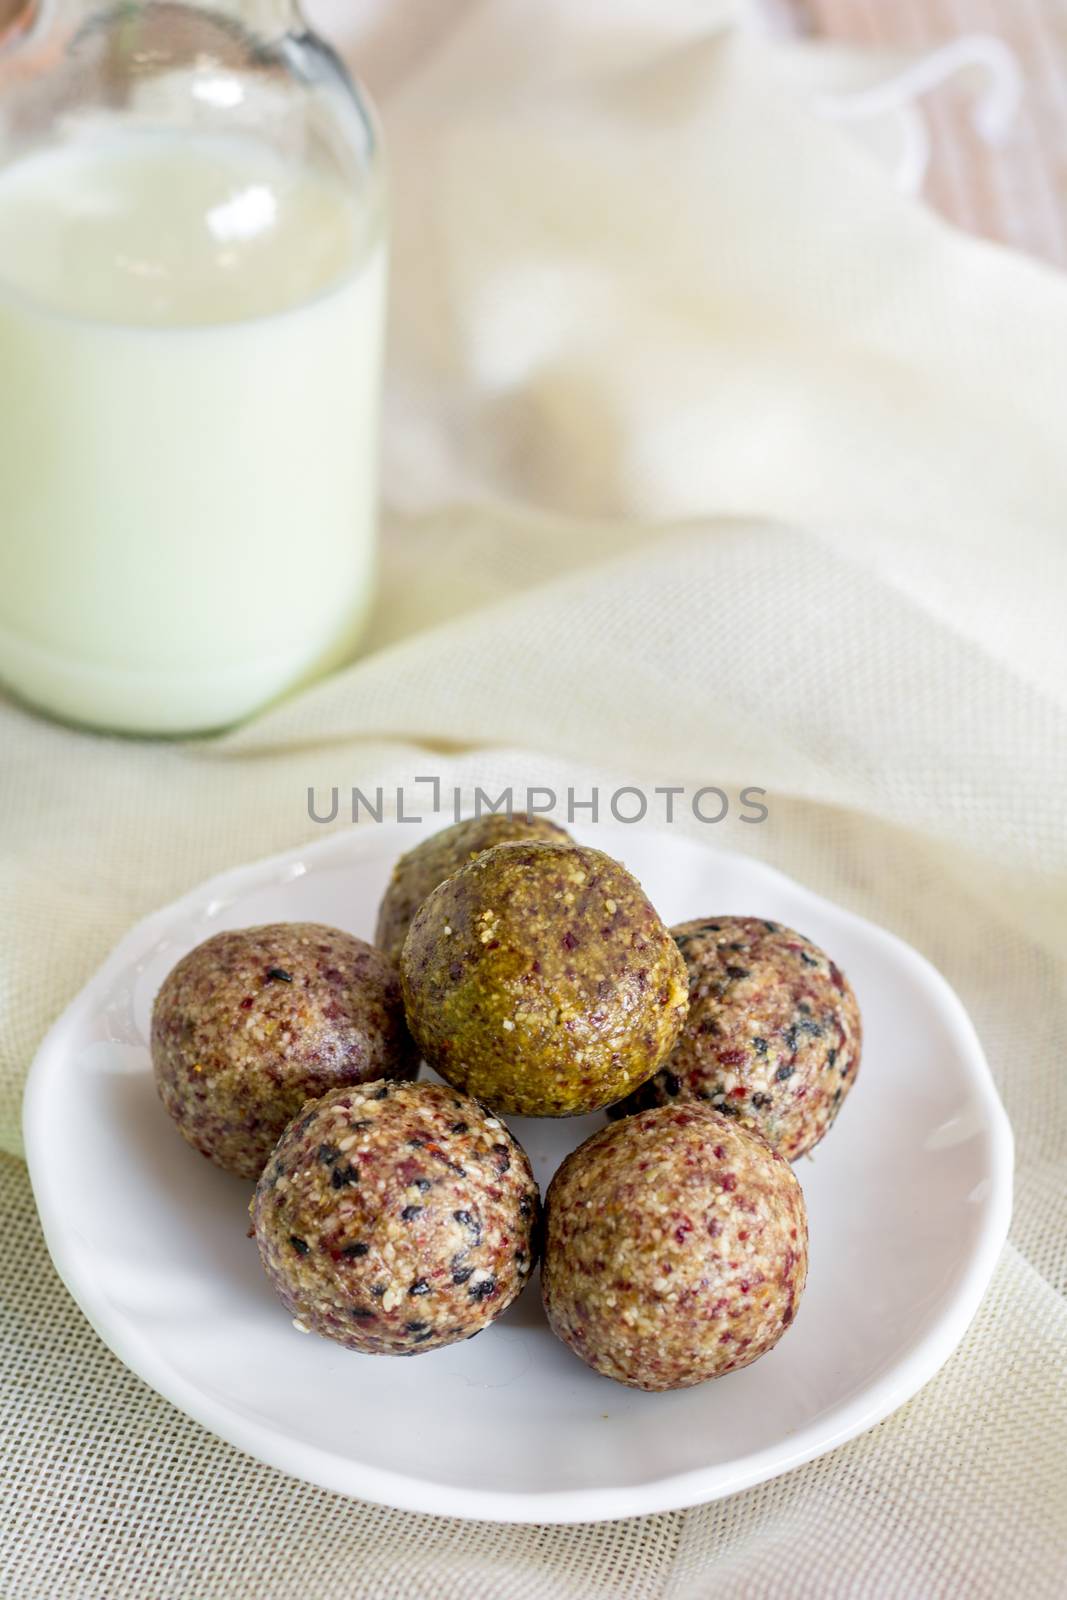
(916, 1366)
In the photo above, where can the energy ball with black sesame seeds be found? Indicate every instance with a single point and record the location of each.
(254, 1022)
(675, 1248)
(540, 979)
(396, 1218)
(773, 1034)
(419, 872)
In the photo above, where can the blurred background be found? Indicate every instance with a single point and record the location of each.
(1015, 192)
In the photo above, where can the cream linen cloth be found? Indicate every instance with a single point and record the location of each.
(708, 460)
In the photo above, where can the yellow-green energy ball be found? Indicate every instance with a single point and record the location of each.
(540, 979)
(418, 873)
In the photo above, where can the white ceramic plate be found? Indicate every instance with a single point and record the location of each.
(909, 1200)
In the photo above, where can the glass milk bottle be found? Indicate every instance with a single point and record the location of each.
(192, 278)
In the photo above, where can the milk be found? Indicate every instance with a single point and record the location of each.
(190, 348)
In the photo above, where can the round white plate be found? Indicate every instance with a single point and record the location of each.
(909, 1200)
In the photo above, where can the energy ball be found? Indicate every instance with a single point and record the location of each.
(396, 1218)
(773, 1034)
(419, 872)
(539, 979)
(254, 1022)
(676, 1248)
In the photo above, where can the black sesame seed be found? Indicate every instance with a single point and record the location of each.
(362, 1314)
(279, 975)
(525, 1206)
(465, 1218)
(341, 1177)
(503, 1158)
(301, 1246)
(760, 1046)
(421, 1338)
(378, 1289)
(738, 972)
(422, 1184)
(761, 1100)
(771, 927)
(420, 1286)
(460, 1127)
(482, 1290)
(712, 927)
(831, 1056)
(418, 1143)
(735, 947)
(803, 1006)
(791, 1037)
(784, 1072)
(382, 1094)
(409, 1213)
(810, 1026)
(461, 1274)
(809, 961)
(416, 1327)
(357, 1249)
(328, 1154)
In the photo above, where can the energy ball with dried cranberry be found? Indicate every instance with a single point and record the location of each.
(675, 1248)
(773, 1034)
(540, 979)
(254, 1022)
(419, 872)
(396, 1218)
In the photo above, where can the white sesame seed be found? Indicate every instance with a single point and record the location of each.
(299, 1326)
(507, 1025)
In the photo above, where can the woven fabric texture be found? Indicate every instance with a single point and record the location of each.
(712, 461)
